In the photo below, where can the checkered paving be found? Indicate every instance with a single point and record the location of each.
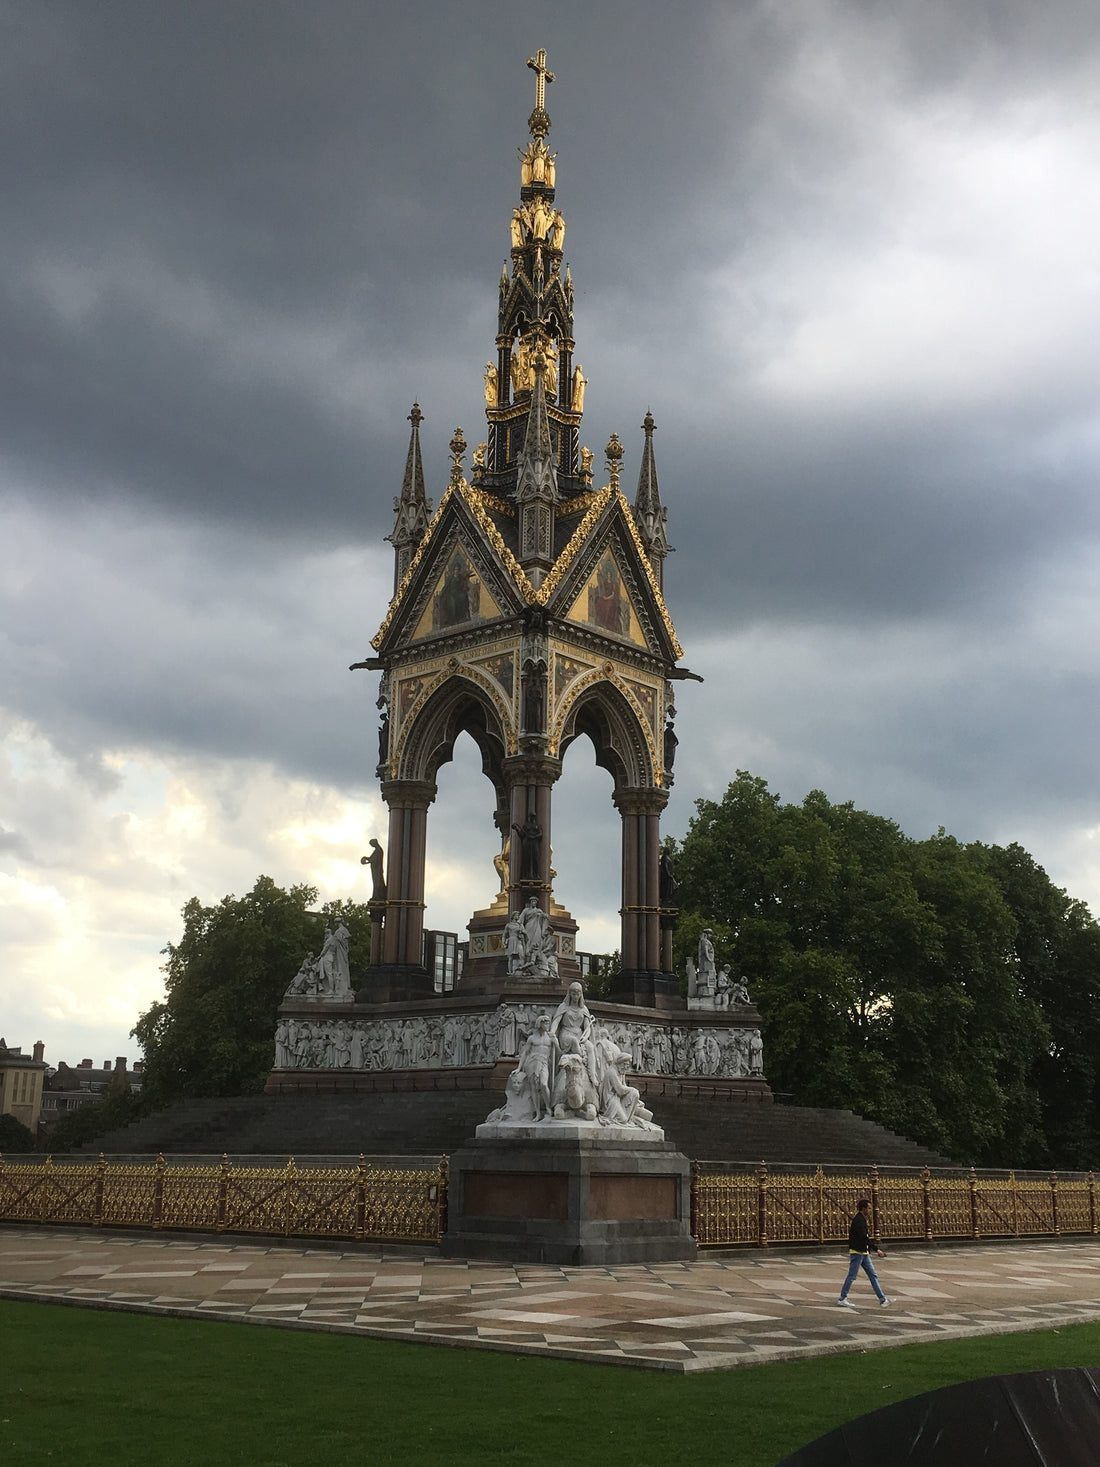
(722, 1311)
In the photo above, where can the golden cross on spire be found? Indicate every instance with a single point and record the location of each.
(537, 63)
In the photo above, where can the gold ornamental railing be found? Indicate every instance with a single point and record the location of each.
(358, 1202)
(384, 1203)
(766, 1206)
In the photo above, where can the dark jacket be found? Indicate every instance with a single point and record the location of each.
(859, 1235)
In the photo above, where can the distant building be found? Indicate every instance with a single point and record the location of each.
(21, 1080)
(71, 1086)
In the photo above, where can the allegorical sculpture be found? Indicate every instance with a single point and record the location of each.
(572, 1069)
(529, 943)
(328, 975)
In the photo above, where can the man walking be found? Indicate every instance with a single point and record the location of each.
(859, 1255)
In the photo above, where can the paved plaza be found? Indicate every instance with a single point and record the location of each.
(726, 1310)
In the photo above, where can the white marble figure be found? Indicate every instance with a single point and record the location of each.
(572, 1070)
(340, 971)
(529, 943)
(756, 1053)
(705, 962)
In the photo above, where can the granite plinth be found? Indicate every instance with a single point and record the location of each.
(551, 1130)
(583, 1200)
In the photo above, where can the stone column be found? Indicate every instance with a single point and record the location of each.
(644, 979)
(530, 778)
(401, 973)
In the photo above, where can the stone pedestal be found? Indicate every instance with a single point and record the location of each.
(575, 1199)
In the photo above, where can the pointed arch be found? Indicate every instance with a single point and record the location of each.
(600, 707)
(463, 701)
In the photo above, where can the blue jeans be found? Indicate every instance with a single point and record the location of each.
(856, 1261)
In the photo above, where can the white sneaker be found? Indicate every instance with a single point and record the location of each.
(845, 1304)
(884, 1303)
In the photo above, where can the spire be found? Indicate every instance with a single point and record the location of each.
(535, 307)
(412, 508)
(649, 513)
(536, 479)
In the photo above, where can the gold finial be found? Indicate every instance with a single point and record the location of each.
(539, 121)
(614, 451)
(458, 448)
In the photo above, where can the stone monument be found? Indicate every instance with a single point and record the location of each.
(571, 1168)
(528, 612)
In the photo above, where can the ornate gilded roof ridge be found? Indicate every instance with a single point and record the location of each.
(490, 501)
(569, 554)
(398, 595)
(472, 497)
(654, 587)
(474, 500)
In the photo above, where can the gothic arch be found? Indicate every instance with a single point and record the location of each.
(460, 703)
(622, 740)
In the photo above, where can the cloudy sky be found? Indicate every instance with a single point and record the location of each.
(848, 254)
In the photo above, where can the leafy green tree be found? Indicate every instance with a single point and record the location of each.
(1057, 949)
(14, 1135)
(117, 1108)
(885, 969)
(213, 1032)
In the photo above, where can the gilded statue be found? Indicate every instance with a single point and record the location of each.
(540, 217)
(551, 368)
(524, 166)
(491, 381)
(580, 382)
(479, 455)
(586, 463)
(517, 229)
(559, 230)
(523, 370)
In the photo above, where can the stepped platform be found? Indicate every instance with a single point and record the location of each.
(411, 1123)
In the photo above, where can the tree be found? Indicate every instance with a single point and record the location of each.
(213, 1032)
(14, 1135)
(886, 969)
(117, 1108)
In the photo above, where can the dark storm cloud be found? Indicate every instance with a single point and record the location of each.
(845, 252)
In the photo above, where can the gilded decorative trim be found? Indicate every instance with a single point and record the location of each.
(660, 600)
(490, 501)
(496, 540)
(576, 540)
(421, 549)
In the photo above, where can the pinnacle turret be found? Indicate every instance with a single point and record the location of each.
(649, 513)
(412, 508)
(535, 312)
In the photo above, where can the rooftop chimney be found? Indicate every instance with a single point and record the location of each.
(39, 1050)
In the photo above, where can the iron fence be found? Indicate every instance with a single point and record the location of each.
(766, 1206)
(390, 1204)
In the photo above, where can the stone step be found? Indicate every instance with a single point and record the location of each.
(425, 1122)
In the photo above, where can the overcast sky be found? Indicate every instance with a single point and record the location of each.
(850, 259)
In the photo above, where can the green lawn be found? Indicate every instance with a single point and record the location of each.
(127, 1390)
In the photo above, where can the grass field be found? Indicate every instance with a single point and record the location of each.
(133, 1391)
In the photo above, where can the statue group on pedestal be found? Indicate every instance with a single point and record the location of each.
(328, 975)
(529, 942)
(571, 1069)
(711, 988)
